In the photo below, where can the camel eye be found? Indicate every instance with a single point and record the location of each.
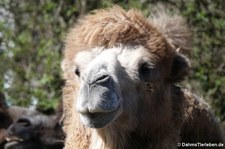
(77, 72)
(145, 71)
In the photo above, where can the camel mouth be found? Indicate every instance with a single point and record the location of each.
(14, 139)
(14, 142)
(98, 119)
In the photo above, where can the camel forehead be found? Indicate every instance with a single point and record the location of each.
(126, 55)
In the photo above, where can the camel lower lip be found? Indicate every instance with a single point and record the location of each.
(97, 120)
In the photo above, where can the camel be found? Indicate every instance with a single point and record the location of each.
(121, 90)
(24, 128)
(34, 130)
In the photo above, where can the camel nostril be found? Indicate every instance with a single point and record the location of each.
(24, 122)
(102, 78)
(99, 78)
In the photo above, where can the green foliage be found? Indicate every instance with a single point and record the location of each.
(209, 51)
(32, 33)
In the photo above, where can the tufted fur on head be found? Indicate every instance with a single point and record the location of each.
(109, 27)
(173, 28)
(139, 62)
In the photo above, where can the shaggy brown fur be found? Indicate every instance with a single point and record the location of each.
(159, 120)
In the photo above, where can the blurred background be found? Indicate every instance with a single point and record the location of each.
(31, 44)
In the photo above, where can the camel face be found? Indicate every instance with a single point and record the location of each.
(121, 71)
(107, 80)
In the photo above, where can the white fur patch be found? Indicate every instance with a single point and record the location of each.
(128, 57)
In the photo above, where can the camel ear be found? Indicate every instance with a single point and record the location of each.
(180, 68)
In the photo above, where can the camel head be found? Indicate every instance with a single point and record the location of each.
(121, 65)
